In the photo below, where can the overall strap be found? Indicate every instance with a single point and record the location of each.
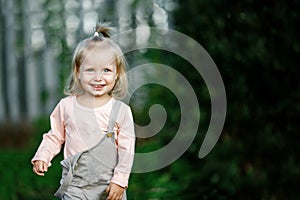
(112, 119)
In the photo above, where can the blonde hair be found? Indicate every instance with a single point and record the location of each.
(101, 39)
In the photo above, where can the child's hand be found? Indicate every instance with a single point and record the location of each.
(39, 167)
(115, 192)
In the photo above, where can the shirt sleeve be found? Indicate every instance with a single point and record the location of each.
(126, 146)
(53, 140)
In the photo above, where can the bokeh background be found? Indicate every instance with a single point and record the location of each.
(255, 45)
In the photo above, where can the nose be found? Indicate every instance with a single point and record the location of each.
(99, 75)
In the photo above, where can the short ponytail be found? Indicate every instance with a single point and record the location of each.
(102, 29)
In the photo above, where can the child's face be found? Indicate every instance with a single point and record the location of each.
(97, 73)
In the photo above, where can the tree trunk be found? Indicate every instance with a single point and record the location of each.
(31, 82)
(11, 89)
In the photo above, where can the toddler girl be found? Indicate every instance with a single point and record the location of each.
(80, 121)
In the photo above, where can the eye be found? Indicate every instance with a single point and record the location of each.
(89, 70)
(107, 70)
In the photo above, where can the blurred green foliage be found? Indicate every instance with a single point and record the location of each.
(255, 45)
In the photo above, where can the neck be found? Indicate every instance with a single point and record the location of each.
(93, 102)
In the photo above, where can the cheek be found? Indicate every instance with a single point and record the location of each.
(111, 81)
(86, 77)
(110, 78)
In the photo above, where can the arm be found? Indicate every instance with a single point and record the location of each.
(51, 143)
(125, 143)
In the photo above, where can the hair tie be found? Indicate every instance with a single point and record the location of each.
(96, 34)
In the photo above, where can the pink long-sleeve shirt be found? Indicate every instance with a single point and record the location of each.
(79, 127)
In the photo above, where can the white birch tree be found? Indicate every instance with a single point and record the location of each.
(10, 64)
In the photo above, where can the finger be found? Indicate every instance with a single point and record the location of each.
(107, 189)
(115, 196)
(40, 166)
(45, 167)
(40, 173)
(120, 196)
(111, 196)
(37, 172)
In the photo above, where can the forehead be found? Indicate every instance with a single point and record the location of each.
(99, 56)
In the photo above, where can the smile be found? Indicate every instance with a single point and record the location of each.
(98, 87)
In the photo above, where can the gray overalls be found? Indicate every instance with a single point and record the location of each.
(87, 174)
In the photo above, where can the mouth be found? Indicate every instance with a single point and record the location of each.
(98, 87)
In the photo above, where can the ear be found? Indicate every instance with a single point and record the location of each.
(117, 74)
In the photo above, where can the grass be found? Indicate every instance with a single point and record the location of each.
(18, 180)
